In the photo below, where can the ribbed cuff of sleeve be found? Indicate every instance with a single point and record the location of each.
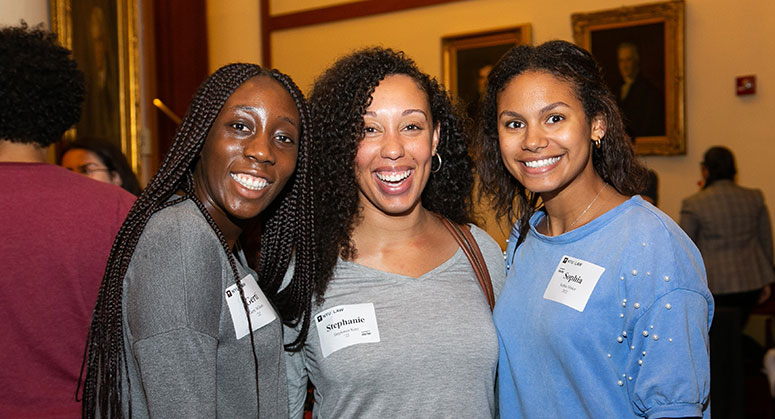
(682, 410)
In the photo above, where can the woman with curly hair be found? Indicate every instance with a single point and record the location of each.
(605, 311)
(170, 335)
(405, 330)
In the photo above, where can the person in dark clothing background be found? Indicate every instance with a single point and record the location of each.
(731, 226)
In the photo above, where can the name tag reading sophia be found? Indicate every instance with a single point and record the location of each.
(573, 282)
(346, 325)
(261, 311)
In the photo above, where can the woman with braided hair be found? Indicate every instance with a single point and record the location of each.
(170, 334)
(405, 330)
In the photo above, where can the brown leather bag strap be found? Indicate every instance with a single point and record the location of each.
(487, 282)
(470, 248)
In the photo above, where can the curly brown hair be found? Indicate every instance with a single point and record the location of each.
(614, 161)
(338, 101)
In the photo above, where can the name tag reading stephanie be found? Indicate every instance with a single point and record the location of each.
(261, 311)
(346, 325)
(572, 282)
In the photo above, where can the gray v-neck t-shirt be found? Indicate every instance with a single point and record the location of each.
(437, 350)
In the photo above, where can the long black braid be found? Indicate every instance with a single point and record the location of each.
(289, 229)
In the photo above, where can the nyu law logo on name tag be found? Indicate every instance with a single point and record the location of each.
(346, 325)
(573, 282)
(261, 311)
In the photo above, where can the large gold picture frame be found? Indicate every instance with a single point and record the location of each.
(466, 59)
(650, 39)
(103, 37)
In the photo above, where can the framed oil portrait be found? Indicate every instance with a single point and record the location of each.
(102, 35)
(641, 50)
(467, 60)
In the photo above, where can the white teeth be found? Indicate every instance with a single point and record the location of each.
(394, 177)
(251, 182)
(542, 162)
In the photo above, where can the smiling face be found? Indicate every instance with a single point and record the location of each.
(544, 134)
(249, 154)
(393, 162)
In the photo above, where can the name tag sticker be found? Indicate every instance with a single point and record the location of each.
(261, 311)
(346, 325)
(572, 282)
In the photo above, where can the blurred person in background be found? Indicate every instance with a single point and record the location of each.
(651, 193)
(731, 226)
(100, 160)
(57, 228)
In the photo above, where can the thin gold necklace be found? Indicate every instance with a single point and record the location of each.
(549, 226)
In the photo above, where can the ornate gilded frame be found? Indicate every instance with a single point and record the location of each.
(455, 47)
(619, 21)
(128, 66)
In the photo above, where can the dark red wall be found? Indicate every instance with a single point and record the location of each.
(180, 31)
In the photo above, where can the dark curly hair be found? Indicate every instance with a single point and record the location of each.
(288, 229)
(338, 101)
(41, 88)
(110, 155)
(614, 161)
(720, 163)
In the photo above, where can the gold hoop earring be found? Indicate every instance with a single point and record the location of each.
(597, 142)
(439, 167)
